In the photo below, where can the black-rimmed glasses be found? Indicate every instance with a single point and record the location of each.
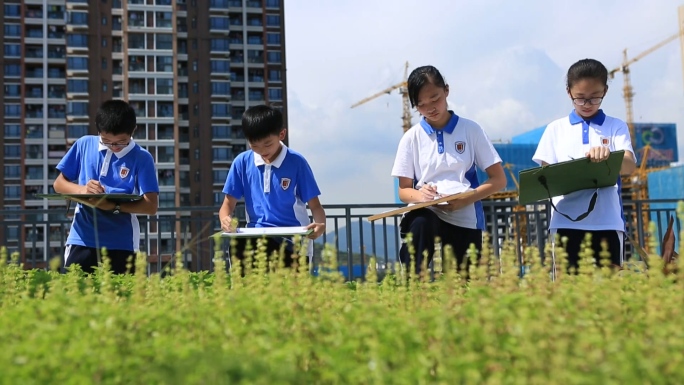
(583, 101)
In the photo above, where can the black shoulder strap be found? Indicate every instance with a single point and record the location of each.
(592, 202)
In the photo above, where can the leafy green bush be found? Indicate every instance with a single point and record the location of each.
(282, 326)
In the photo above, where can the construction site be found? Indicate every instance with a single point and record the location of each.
(657, 176)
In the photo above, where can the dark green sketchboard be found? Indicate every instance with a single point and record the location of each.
(110, 197)
(566, 177)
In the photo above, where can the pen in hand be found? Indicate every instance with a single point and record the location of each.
(429, 192)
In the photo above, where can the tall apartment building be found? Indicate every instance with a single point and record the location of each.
(188, 67)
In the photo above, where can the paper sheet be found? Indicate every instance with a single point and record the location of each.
(246, 232)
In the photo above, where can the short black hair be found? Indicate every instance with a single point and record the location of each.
(421, 76)
(260, 122)
(115, 117)
(587, 69)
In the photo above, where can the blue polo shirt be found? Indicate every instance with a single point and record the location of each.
(130, 171)
(275, 194)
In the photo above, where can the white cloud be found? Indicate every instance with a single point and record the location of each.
(505, 62)
(498, 118)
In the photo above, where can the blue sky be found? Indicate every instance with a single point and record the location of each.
(505, 62)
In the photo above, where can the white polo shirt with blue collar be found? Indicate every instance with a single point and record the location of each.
(447, 158)
(275, 194)
(569, 138)
(129, 171)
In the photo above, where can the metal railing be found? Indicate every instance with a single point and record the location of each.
(39, 235)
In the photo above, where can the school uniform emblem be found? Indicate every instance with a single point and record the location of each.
(285, 183)
(124, 171)
(605, 141)
(460, 147)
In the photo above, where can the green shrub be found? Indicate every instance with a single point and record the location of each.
(282, 326)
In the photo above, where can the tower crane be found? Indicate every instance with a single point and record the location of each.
(635, 184)
(627, 90)
(403, 90)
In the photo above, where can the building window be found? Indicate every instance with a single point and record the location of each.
(12, 90)
(220, 176)
(104, 41)
(220, 132)
(163, 19)
(104, 20)
(12, 131)
(222, 153)
(12, 110)
(165, 109)
(219, 23)
(104, 63)
(219, 110)
(274, 75)
(77, 85)
(275, 94)
(273, 38)
(194, 65)
(195, 87)
(136, 40)
(220, 45)
(274, 57)
(272, 3)
(164, 41)
(12, 151)
(12, 10)
(167, 199)
(78, 18)
(12, 192)
(12, 30)
(164, 64)
(80, 41)
(12, 50)
(77, 108)
(220, 66)
(164, 86)
(273, 20)
(12, 171)
(77, 63)
(104, 86)
(220, 88)
(12, 70)
(77, 131)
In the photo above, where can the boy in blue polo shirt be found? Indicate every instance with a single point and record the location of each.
(276, 182)
(111, 163)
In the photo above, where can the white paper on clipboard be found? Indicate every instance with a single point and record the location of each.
(251, 232)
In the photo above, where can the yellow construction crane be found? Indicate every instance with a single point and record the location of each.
(403, 90)
(627, 90)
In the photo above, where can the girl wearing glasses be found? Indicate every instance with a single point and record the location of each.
(588, 132)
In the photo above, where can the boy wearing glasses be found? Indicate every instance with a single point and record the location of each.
(110, 163)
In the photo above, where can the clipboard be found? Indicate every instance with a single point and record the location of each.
(119, 198)
(83, 198)
(421, 205)
(562, 178)
(258, 232)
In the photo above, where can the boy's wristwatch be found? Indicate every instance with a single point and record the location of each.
(117, 209)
